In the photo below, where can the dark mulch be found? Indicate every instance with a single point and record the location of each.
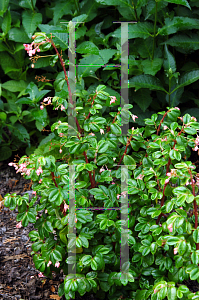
(18, 276)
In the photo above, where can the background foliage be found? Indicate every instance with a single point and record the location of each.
(164, 38)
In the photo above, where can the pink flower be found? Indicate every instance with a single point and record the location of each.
(193, 118)
(164, 140)
(49, 263)
(45, 99)
(41, 107)
(170, 227)
(155, 291)
(40, 275)
(167, 181)
(40, 180)
(57, 264)
(195, 149)
(175, 250)
(160, 225)
(101, 170)
(134, 117)
(19, 225)
(118, 196)
(101, 131)
(37, 218)
(46, 211)
(140, 176)
(62, 107)
(124, 194)
(60, 150)
(39, 171)
(180, 207)
(177, 108)
(61, 134)
(113, 99)
(34, 193)
(49, 101)
(66, 207)
(113, 182)
(59, 122)
(165, 127)
(92, 134)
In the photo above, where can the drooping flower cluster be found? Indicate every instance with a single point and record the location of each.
(33, 48)
(170, 174)
(196, 144)
(22, 168)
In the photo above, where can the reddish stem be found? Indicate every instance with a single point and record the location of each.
(108, 128)
(128, 142)
(168, 165)
(71, 101)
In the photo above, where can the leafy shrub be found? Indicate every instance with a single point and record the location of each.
(162, 230)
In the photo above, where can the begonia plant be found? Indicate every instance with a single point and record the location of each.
(163, 232)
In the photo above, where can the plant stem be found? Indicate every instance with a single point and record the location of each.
(71, 101)
(127, 144)
(167, 170)
(136, 16)
(194, 205)
(154, 32)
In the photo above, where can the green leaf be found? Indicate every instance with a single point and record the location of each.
(138, 30)
(88, 65)
(19, 35)
(169, 62)
(60, 9)
(28, 4)
(196, 236)
(87, 47)
(194, 274)
(115, 129)
(86, 260)
(172, 293)
(103, 146)
(3, 6)
(5, 153)
(57, 255)
(143, 98)
(178, 23)
(185, 42)
(6, 24)
(146, 81)
(61, 39)
(15, 85)
(151, 67)
(48, 226)
(187, 79)
(30, 21)
(181, 2)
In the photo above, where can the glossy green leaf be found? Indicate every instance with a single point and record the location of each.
(146, 81)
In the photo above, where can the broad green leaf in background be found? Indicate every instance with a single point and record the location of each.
(87, 47)
(30, 21)
(188, 78)
(15, 85)
(175, 96)
(138, 30)
(151, 67)
(62, 8)
(178, 23)
(3, 6)
(184, 41)
(6, 24)
(28, 4)
(143, 98)
(61, 39)
(19, 35)
(169, 62)
(181, 2)
(146, 81)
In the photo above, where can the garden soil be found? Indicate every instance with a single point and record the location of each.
(18, 277)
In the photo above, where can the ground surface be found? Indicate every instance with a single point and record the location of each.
(18, 277)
